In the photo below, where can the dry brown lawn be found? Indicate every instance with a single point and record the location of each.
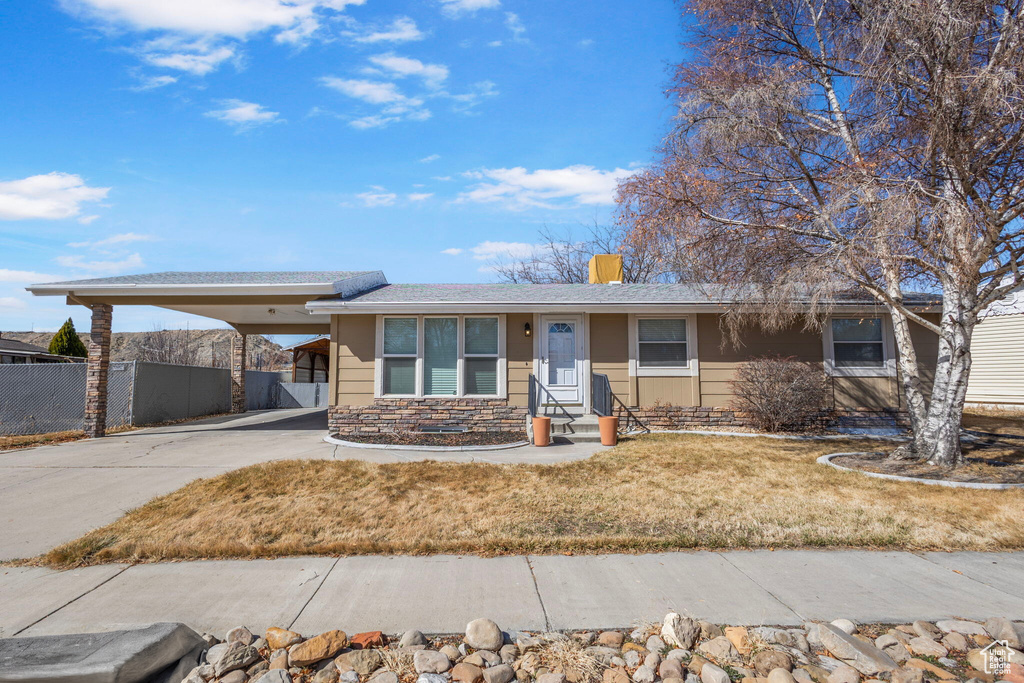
(658, 492)
(995, 421)
(19, 441)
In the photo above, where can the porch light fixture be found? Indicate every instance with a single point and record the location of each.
(527, 330)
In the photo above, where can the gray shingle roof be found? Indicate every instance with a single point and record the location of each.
(565, 294)
(15, 345)
(223, 278)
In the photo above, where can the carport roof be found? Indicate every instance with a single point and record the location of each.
(331, 281)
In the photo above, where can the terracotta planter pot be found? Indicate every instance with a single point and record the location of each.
(609, 430)
(541, 431)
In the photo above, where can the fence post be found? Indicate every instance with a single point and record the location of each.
(238, 373)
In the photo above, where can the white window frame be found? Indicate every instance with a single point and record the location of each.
(688, 370)
(888, 368)
(502, 364)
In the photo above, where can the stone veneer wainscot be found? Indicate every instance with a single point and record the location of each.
(388, 415)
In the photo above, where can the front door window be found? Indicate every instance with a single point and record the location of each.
(561, 354)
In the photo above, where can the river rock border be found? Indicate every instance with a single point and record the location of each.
(827, 460)
(681, 649)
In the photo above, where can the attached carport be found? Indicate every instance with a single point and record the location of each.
(250, 302)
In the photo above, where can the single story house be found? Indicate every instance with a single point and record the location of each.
(997, 354)
(482, 356)
(14, 352)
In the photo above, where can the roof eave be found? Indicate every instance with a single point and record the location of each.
(417, 307)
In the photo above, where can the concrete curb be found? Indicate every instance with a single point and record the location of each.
(827, 460)
(794, 437)
(434, 449)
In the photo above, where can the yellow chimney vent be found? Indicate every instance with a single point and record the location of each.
(606, 269)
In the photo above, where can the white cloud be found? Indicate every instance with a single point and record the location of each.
(51, 196)
(402, 29)
(495, 43)
(452, 252)
(373, 199)
(457, 8)
(394, 105)
(25, 276)
(216, 25)
(236, 18)
(586, 42)
(244, 115)
(433, 75)
(154, 82)
(130, 262)
(478, 92)
(113, 240)
(487, 251)
(515, 25)
(420, 196)
(520, 188)
(9, 302)
(432, 157)
(86, 220)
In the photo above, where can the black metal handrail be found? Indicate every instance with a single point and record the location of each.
(542, 400)
(606, 403)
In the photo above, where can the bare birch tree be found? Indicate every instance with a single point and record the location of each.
(832, 146)
(564, 257)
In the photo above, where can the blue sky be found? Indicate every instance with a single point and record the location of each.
(420, 138)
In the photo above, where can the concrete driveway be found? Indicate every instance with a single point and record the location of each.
(53, 494)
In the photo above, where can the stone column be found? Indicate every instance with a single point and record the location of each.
(96, 371)
(238, 373)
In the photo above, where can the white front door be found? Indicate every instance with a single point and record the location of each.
(561, 361)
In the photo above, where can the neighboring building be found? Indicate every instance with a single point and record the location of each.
(997, 354)
(19, 353)
(311, 359)
(478, 356)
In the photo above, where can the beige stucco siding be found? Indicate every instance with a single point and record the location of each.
(354, 337)
(609, 351)
(519, 350)
(997, 356)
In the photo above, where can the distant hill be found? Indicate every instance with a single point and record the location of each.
(211, 348)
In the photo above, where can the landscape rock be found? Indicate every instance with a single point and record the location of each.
(845, 625)
(324, 646)
(451, 653)
(508, 653)
(719, 649)
(955, 641)
(280, 661)
(240, 634)
(926, 647)
(780, 676)
(484, 634)
(551, 678)
(652, 660)
(431, 662)
(525, 643)
(431, 678)
(678, 654)
(739, 638)
(1001, 628)
(326, 675)
(771, 636)
(631, 658)
(367, 640)
(655, 644)
(601, 653)
(864, 657)
(709, 630)
(709, 673)
(615, 675)
(363, 662)
(237, 656)
(413, 637)
(926, 629)
(275, 676)
(610, 639)
(680, 631)
(467, 673)
(844, 674)
(938, 671)
(214, 654)
(767, 660)
(643, 674)
(236, 676)
(501, 673)
(967, 628)
(802, 676)
(696, 664)
(670, 668)
(907, 675)
(278, 638)
(384, 677)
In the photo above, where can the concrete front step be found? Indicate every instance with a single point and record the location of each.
(582, 429)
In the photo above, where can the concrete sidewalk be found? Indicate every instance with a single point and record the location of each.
(440, 594)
